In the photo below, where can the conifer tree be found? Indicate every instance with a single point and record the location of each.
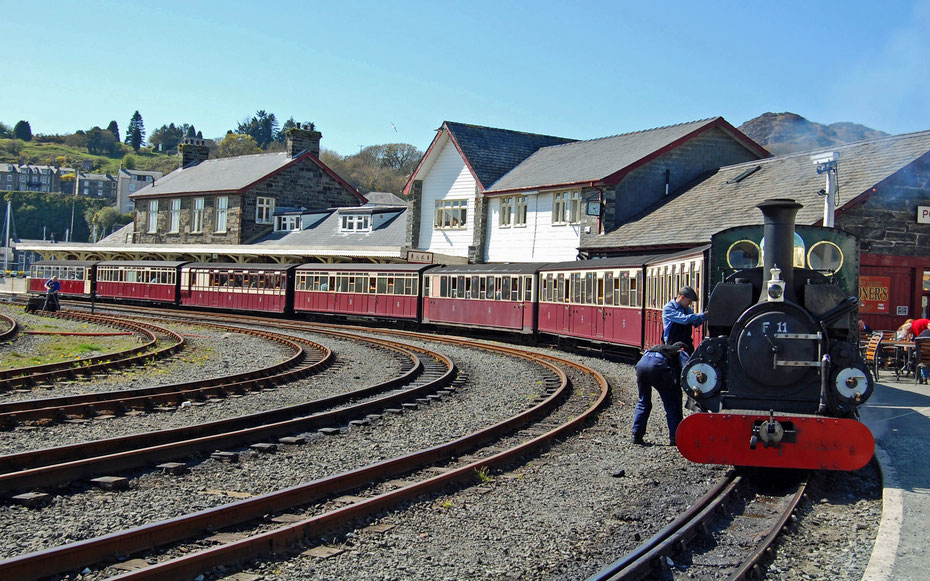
(135, 134)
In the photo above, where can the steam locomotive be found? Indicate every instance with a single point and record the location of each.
(779, 378)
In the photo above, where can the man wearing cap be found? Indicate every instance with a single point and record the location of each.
(659, 368)
(678, 318)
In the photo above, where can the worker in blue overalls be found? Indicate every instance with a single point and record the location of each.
(659, 368)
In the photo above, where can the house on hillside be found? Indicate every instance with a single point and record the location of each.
(233, 200)
(448, 207)
(544, 201)
(30, 178)
(882, 186)
(128, 182)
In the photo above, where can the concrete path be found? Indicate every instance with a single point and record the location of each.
(898, 413)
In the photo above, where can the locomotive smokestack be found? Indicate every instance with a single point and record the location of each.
(778, 248)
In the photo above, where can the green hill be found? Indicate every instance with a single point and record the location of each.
(53, 153)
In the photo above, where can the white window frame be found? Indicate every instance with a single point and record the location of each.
(566, 207)
(153, 217)
(174, 216)
(451, 215)
(264, 210)
(506, 212)
(222, 213)
(286, 223)
(520, 212)
(355, 223)
(197, 212)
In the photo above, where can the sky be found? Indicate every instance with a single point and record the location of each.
(392, 71)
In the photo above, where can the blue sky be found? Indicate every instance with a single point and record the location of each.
(574, 69)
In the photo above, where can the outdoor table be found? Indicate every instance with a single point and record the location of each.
(903, 351)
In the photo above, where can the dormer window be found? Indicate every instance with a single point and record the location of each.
(355, 223)
(286, 223)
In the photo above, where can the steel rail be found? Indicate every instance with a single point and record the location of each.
(156, 534)
(8, 334)
(117, 402)
(52, 466)
(639, 562)
(99, 363)
(750, 566)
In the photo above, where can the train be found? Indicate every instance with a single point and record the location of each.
(775, 381)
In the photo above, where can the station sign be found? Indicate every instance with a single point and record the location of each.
(923, 214)
(874, 294)
(417, 257)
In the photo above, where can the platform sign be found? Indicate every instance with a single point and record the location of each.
(874, 293)
(923, 214)
(419, 257)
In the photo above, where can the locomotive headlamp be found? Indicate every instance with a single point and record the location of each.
(775, 287)
(700, 379)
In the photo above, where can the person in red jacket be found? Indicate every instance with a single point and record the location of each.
(918, 326)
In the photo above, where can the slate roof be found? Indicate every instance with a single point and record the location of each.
(490, 152)
(720, 201)
(121, 237)
(392, 233)
(228, 174)
(605, 159)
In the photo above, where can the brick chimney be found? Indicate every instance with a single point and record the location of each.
(301, 139)
(193, 150)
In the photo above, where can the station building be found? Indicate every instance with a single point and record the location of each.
(883, 198)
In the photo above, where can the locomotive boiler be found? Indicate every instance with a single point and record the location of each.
(778, 381)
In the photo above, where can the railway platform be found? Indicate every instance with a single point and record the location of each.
(898, 414)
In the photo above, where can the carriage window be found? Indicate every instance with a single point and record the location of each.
(475, 286)
(601, 283)
(342, 282)
(361, 283)
(390, 285)
(527, 288)
(444, 286)
(589, 288)
(505, 288)
(482, 287)
(491, 288)
(561, 293)
(515, 288)
(635, 284)
(460, 287)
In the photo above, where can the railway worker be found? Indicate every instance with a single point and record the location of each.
(52, 288)
(659, 368)
(678, 318)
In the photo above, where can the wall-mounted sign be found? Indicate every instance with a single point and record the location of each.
(901, 311)
(923, 214)
(874, 292)
(419, 257)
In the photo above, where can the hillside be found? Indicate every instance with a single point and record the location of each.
(783, 133)
(51, 153)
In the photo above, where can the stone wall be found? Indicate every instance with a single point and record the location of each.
(887, 222)
(184, 235)
(414, 201)
(302, 184)
(645, 186)
(480, 236)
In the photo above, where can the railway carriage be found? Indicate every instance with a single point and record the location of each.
(242, 287)
(487, 296)
(664, 277)
(597, 300)
(139, 280)
(389, 291)
(76, 276)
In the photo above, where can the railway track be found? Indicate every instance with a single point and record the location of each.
(98, 364)
(308, 358)
(453, 462)
(10, 328)
(741, 520)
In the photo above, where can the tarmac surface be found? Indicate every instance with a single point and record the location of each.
(898, 413)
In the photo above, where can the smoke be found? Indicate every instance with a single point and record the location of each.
(891, 90)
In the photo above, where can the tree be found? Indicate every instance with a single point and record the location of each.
(291, 124)
(101, 142)
(135, 134)
(167, 137)
(237, 144)
(129, 162)
(114, 129)
(262, 127)
(383, 168)
(22, 130)
(5, 131)
(191, 132)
